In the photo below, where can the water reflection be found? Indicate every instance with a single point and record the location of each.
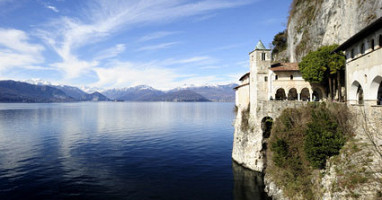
(117, 151)
(248, 185)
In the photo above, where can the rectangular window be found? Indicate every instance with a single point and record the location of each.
(372, 44)
(362, 48)
(263, 56)
(352, 53)
(266, 79)
(276, 77)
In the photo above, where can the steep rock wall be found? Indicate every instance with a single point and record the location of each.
(313, 23)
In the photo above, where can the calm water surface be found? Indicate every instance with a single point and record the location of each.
(121, 151)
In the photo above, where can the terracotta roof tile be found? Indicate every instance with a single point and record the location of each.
(285, 67)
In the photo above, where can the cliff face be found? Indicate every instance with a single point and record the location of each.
(313, 23)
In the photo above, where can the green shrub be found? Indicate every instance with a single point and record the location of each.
(301, 141)
(323, 137)
(280, 150)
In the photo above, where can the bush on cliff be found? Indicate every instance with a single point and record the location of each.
(301, 141)
(323, 137)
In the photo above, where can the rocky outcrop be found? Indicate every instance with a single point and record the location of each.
(315, 23)
(357, 172)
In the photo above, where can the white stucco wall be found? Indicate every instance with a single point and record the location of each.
(364, 70)
(286, 83)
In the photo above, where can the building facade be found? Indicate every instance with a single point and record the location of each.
(364, 65)
(273, 82)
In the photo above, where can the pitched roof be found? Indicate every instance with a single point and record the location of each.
(376, 25)
(260, 46)
(285, 67)
(244, 76)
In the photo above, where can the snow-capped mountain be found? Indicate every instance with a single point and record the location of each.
(217, 93)
(74, 93)
(137, 93)
(210, 92)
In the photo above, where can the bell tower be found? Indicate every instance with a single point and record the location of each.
(260, 62)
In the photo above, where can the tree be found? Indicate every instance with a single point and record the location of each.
(279, 42)
(323, 66)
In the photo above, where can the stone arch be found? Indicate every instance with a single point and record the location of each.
(318, 94)
(376, 89)
(356, 92)
(280, 94)
(292, 94)
(266, 126)
(305, 94)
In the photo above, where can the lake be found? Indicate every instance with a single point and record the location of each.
(119, 150)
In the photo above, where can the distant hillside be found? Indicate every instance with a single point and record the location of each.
(217, 93)
(96, 96)
(181, 96)
(39, 91)
(80, 95)
(138, 93)
(12, 91)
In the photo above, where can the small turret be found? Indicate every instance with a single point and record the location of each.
(260, 62)
(260, 46)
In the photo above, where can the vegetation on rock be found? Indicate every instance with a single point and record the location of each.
(302, 140)
(279, 42)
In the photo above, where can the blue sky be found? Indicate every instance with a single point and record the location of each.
(123, 43)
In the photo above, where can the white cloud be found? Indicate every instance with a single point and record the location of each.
(129, 74)
(198, 60)
(157, 46)
(156, 74)
(72, 67)
(53, 8)
(111, 52)
(156, 35)
(17, 51)
(105, 17)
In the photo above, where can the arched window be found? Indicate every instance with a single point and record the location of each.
(360, 95)
(317, 95)
(276, 77)
(291, 77)
(280, 94)
(292, 94)
(305, 94)
(372, 44)
(362, 50)
(266, 78)
(266, 126)
(376, 89)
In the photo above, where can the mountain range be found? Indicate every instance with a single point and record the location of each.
(215, 93)
(35, 92)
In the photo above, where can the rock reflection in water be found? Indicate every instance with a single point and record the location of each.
(248, 185)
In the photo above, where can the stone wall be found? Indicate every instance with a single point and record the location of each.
(248, 146)
(360, 157)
